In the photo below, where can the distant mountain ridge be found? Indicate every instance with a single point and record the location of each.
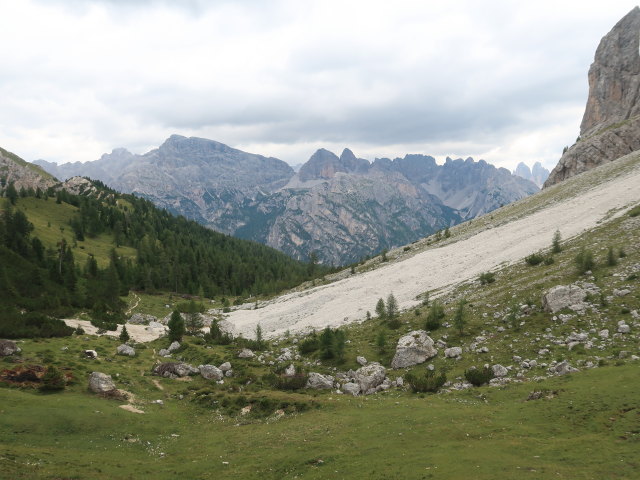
(537, 174)
(340, 208)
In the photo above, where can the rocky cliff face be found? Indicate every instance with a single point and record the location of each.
(610, 127)
(342, 208)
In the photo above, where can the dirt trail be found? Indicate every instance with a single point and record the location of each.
(348, 300)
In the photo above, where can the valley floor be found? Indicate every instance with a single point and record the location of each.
(587, 428)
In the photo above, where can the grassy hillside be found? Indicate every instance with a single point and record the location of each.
(586, 425)
(51, 223)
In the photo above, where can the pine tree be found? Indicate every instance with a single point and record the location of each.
(556, 247)
(392, 312)
(460, 317)
(381, 310)
(176, 327)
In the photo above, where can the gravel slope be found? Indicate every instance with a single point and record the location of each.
(594, 195)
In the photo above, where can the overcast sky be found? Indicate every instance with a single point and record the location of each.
(500, 80)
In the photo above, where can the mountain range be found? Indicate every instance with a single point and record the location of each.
(337, 209)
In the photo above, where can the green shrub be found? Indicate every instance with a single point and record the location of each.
(534, 259)
(53, 380)
(611, 257)
(486, 278)
(549, 260)
(309, 344)
(584, 261)
(293, 382)
(477, 377)
(635, 211)
(427, 383)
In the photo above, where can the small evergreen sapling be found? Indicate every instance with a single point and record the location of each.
(124, 335)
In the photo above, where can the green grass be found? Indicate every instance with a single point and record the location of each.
(589, 430)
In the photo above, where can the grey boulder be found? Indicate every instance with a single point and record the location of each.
(563, 296)
(101, 382)
(318, 381)
(369, 377)
(126, 350)
(7, 347)
(414, 348)
(210, 372)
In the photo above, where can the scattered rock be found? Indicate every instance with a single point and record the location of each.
(290, 371)
(101, 383)
(286, 355)
(141, 319)
(125, 349)
(624, 328)
(173, 370)
(164, 352)
(318, 381)
(604, 333)
(361, 361)
(210, 372)
(91, 354)
(7, 347)
(225, 367)
(622, 292)
(174, 346)
(414, 348)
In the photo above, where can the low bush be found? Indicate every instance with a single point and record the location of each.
(635, 211)
(477, 376)
(486, 278)
(534, 259)
(53, 380)
(430, 382)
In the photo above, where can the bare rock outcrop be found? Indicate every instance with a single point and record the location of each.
(610, 127)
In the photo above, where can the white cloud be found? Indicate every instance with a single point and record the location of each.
(504, 81)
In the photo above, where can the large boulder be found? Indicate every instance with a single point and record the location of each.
(125, 349)
(246, 353)
(101, 382)
(414, 348)
(173, 347)
(370, 376)
(318, 381)
(7, 347)
(210, 372)
(563, 296)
